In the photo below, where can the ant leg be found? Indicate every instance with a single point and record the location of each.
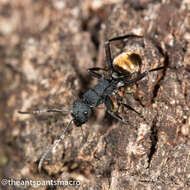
(118, 98)
(43, 111)
(92, 72)
(119, 101)
(125, 76)
(117, 117)
(132, 109)
(156, 69)
(109, 105)
(141, 76)
(124, 37)
(108, 56)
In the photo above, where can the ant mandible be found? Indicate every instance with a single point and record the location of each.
(121, 70)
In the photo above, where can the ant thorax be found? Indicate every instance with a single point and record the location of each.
(127, 63)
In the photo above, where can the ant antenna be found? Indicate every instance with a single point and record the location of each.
(56, 142)
(43, 111)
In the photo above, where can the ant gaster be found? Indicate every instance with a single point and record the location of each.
(121, 70)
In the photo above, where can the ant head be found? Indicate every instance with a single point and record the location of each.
(80, 112)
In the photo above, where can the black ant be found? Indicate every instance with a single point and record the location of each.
(121, 71)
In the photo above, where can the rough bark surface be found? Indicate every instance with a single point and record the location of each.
(46, 48)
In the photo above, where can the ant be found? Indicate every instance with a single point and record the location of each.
(121, 71)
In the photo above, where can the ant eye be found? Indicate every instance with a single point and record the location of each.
(85, 113)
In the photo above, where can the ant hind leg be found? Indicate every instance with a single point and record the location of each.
(119, 101)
